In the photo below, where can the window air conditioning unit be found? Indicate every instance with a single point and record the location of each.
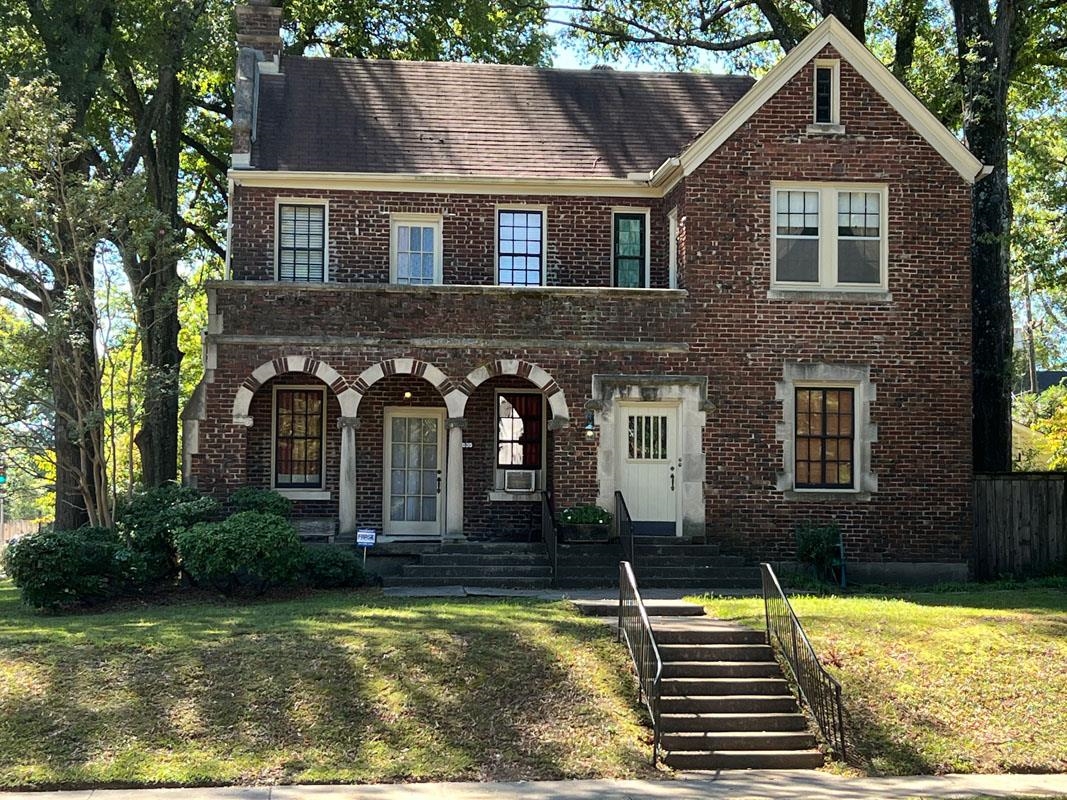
(520, 480)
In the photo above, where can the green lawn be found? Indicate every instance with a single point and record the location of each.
(337, 687)
(972, 681)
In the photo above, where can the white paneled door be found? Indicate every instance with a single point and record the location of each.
(414, 471)
(648, 466)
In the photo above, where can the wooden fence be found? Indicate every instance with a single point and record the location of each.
(1020, 523)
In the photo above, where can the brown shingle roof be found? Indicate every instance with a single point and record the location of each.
(349, 115)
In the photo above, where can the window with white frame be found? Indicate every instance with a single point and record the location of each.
(298, 437)
(520, 247)
(415, 249)
(672, 248)
(630, 248)
(301, 242)
(829, 237)
(827, 92)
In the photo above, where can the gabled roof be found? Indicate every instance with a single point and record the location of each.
(401, 117)
(831, 32)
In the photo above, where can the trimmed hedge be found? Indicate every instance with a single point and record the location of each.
(265, 501)
(150, 521)
(248, 552)
(332, 568)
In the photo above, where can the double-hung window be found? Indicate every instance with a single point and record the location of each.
(298, 437)
(415, 250)
(520, 420)
(630, 249)
(825, 438)
(302, 242)
(520, 247)
(829, 237)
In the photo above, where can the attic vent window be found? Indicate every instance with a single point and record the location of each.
(827, 97)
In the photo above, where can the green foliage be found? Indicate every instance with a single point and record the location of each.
(819, 546)
(263, 501)
(585, 515)
(248, 552)
(150, 522)
(332, 568)
(55, 570)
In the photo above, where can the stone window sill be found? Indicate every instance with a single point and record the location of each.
(817, 496)
(514, 497)
(304, 494)
(830, 295)
(825, 129)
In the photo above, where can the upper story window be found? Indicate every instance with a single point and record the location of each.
(829, 237)
(415, 249)
(298, 437)
(630, 249)
(520, 247)
(827, 93)
(302, 242)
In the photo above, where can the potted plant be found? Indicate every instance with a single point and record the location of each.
(587, 523)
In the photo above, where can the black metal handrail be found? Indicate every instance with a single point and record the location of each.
(624, 529)
(635, 628)
(819, 690)
(548, 534)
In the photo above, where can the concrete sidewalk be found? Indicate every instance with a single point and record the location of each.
(754, 785)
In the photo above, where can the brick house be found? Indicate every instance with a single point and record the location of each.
(454, 287)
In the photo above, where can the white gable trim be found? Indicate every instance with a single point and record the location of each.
(831, 31)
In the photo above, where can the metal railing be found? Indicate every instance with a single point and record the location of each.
(635, 628)
(819, 690)
(548, 534)
(624, 529)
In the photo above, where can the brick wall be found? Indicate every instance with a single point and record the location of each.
(917, 344)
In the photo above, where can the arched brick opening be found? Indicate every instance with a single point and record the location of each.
(557, 400)
(242, 401)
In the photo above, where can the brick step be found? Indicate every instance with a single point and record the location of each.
(745, 759)
(737, 740)
(576, 569)
(676, 631)
(722, 669)
(645, 561)
(662, 609)
(499, 571)
(483, 560)
(721, 686)
(493, 548)
(474, 581)
(727, 704)
(733, 722)
(715, 652)
(646, 547)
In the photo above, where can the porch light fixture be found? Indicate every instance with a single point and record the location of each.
(590, 428)
(407, 395)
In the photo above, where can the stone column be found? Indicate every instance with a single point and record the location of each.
(346, 505)
(454, 479)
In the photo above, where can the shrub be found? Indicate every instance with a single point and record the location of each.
(249, 551)
(585, 515)
(265, 501)
(332, 568)
(59, 569)
(150, 521)
(819, 546)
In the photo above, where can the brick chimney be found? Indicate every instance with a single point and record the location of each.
(259, 48)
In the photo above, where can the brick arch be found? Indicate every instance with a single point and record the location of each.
(347, 398)
(411, 366)
(557, 401)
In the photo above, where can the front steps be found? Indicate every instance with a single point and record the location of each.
(503, 565)
(724, 703)
(659, 562)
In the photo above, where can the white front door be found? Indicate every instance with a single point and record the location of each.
(414, 471)
(648, 466)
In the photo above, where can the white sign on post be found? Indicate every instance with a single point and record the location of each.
(365, 537)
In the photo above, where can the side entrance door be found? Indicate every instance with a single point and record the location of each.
(648, 466)
(414, 472)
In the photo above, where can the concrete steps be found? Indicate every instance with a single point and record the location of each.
(501, 565)
(724, 703)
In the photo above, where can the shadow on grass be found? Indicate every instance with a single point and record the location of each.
(330, 688)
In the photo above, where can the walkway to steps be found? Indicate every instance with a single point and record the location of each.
(724, 703)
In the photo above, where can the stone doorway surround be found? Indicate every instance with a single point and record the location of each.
(690, 392)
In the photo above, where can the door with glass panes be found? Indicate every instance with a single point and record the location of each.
(648, 465)
(414, 471)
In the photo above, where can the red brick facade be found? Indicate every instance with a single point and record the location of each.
(722, 325)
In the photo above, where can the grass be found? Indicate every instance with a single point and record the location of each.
(335, 687)
(966, 681)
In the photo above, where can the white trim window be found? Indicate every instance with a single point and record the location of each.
(298, 446)
(301, 240)
(630, 247)
(520, 246)
(415, 256)
(826, 94)
(829, 237)
(672, 249)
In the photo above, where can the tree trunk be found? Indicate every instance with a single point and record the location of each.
(986, 54)
(71, 511)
